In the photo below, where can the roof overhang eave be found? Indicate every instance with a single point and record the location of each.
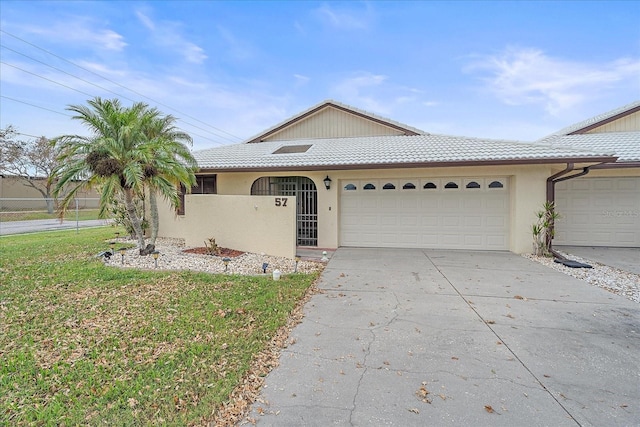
(506, 162)
(618, 165)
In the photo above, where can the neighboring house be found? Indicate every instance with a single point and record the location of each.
(17, 194)
(602, 208)
(335, 176)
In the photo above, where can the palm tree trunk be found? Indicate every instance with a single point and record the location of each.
(153, 213)
(135, 221)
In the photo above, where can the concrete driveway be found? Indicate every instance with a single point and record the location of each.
(453, 338)
(626, 259)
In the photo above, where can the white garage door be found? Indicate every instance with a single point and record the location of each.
(598, 212)
(451, 213)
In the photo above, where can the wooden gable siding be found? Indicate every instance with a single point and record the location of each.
(627, 123)
(332, 123)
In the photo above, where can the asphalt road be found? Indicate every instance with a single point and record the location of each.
(34, 226)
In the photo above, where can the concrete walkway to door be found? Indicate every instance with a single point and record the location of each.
(453, 338)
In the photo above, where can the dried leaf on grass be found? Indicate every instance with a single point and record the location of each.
(248, 390)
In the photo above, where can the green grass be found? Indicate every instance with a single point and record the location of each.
(83, 214)
(86, 344)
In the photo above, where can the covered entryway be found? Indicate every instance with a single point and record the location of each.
(444, 213)
(306, 196)
(598, 212)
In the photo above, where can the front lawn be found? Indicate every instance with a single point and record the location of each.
(86, 344)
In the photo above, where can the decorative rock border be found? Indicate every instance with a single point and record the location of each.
(173, 257)
(612, 279)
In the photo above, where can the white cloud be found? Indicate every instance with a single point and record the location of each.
(359, 90)
(168, 35)
(301, 80)
(529, 76)
(146, 21)
(84, 33)
(237, 48)
(345, 19)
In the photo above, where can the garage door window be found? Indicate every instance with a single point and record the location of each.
(388, 186)
(472, 185)
(350, 187)
(430, 186)
(409, 186)
(451, 185)
(496, 184)
(369, 187)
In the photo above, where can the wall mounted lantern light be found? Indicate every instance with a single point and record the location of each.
(327, 182)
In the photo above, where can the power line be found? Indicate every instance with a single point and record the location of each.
(124, 87)
(84, 93)
(36, 106)
(46, 78)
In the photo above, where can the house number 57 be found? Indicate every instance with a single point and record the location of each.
(281, 201)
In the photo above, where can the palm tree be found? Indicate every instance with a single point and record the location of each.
(172, 165)
(121, 157)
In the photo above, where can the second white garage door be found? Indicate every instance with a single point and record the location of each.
(456, 213)
(598, 212)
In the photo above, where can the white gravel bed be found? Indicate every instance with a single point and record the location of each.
(172, 257)
(612, 279)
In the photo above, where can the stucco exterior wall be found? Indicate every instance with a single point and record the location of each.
(236, 222)
(246, 223)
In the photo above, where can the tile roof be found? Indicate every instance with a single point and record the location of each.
(625, 145)
(330, 102)
(388, 151)
(594, 120)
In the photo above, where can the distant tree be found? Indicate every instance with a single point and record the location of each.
(31, 162)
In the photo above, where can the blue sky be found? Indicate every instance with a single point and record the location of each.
(228, 70)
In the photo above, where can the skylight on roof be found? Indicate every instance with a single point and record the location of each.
(289, 149)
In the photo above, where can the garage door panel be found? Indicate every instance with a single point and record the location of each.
(368, 203)
(409, 220)
(599, 212)
(495, 221)
(603, 184)
(474, 221)
(453, 219)
(408, 239)
(429, 239)
(474, 203)
(387, 220)
(628, 185)
(429, 220)
(370, 220)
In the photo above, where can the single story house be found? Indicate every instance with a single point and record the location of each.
(335, 176)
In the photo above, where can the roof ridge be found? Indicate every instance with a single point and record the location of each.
(340, 105)
(594, 120)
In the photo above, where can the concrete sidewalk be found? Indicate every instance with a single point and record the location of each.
(38, 225)
(421, 337)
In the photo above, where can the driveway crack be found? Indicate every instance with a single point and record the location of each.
(470, 305)
(367, 353)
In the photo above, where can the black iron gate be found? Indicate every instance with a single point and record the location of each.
(307, 202)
